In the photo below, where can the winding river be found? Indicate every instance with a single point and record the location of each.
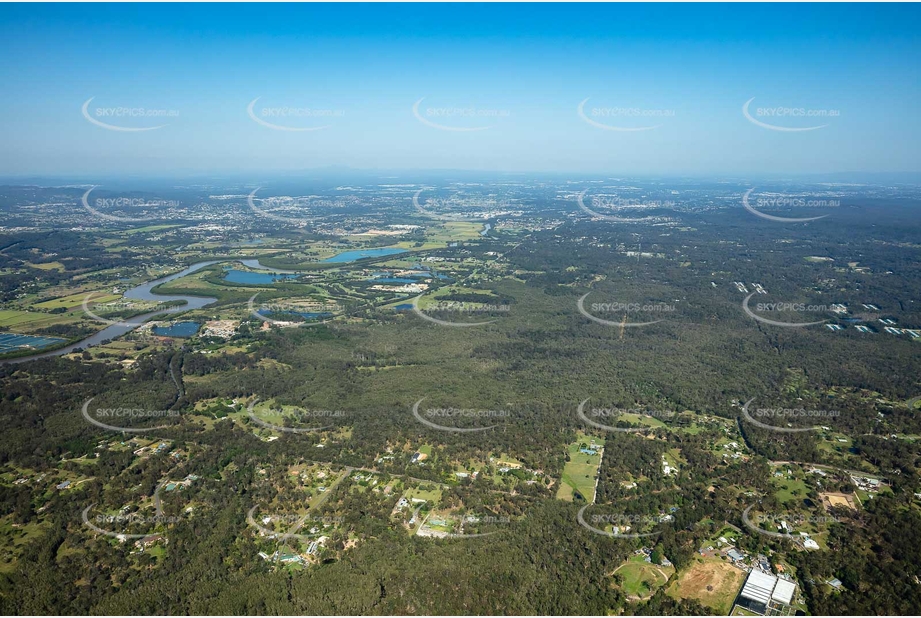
(144, 292)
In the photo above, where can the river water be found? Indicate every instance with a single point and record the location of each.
(142, 292)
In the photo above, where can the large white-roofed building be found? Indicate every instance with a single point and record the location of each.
(783, 591)
(767, 594)
(758, 588)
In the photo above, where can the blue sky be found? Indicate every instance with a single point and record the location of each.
(517, 73)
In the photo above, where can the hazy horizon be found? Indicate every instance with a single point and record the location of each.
(597, 89)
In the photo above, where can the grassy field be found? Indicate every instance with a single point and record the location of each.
(790, 490)
(432, 495)
(47, 266)
(157, 551)
(440, 234)
(195, 281)
(580, 471)
(128, 348)
(264, 412)
(436, 297)
(712, 581)
(76, 300)
(505, 459)
(11, 318)
(148, 228)
(693, 429)
(640, 578)
(14, 538)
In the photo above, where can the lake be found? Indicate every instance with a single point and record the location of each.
(255, 264)
(394, 280)
(179, 329)
(247, 277)
(360, 254)
(287, 315)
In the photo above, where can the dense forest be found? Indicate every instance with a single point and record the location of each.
(535, 361)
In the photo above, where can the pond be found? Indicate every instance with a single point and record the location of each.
(394, 280)
(247, 277)
(288, 315)
(178, 329)
(360, 254)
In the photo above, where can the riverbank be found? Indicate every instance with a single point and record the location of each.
(145, 291)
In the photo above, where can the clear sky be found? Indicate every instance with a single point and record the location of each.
(516, 73)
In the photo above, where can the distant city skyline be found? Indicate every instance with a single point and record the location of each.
(654, 90)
